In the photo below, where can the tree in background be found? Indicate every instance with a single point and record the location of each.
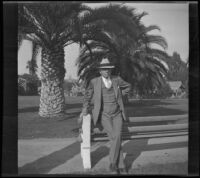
(77, 89)
(136, 61)
(52, 26)
(28, 84)
(178, 70)
(68, 84)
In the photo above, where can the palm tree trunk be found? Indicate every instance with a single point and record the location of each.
(52, 101)
(33, 62)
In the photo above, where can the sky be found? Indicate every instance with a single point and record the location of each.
(172, 18)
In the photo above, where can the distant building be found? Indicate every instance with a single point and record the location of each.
(177, 87)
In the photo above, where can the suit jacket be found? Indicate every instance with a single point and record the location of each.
(94, 91)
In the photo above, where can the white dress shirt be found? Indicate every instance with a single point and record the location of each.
(107, 82)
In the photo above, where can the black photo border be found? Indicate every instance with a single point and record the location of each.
(10, 93)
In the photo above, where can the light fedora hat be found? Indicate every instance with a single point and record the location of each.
(105, 64)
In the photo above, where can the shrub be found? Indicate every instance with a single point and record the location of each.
(32, 83)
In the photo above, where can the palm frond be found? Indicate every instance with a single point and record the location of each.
(156, 39)
(33, 19)
(150, 28)
(112, 14)
(139, 17)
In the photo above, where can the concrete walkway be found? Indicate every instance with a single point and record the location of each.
(142, 156)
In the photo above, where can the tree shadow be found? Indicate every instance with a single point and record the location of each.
(150, 123)
(68, 116)
(28, 109)
(98, 154)
(152, 110)
(36, 108)
(47, 163)
(134, 108)
(151, 102)
(134, 148)
(73, 106)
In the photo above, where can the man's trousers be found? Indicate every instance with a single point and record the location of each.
(113, 127)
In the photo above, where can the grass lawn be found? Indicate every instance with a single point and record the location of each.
(31, 125)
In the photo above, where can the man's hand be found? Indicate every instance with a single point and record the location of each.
(80, 119)
(79, 138)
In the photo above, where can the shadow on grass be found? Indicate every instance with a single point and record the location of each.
(153, 108)
(132, 148)
(74, 105)
(31, 125)
(98, 154)
(153, 111)
(70, 116)
(36, 108)
(152, 102)
(133, 109)
(28, 109)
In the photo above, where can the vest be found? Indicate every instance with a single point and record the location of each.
(109, 107)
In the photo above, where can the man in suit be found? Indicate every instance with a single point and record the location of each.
(107, 91)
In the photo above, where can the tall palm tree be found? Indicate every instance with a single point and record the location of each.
(52, 26)
(134, 57)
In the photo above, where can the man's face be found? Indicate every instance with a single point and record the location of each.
(105, 72)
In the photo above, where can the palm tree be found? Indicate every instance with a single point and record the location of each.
(52, 26)
(135, 59)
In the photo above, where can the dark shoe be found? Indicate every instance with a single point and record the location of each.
(113, 169)
(123, 171)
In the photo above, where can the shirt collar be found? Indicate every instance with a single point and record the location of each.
(106, 79)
